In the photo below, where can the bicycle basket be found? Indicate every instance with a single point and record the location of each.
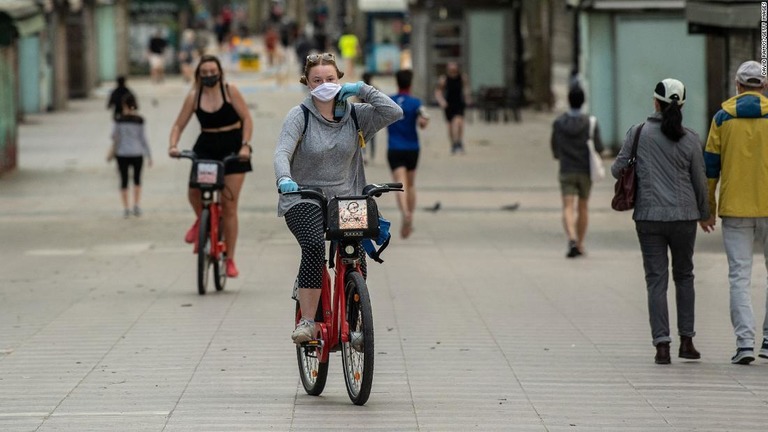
(207, 174)
(352, 217)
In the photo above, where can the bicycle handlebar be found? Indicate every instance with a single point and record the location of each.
(374, 189)
(191, 155)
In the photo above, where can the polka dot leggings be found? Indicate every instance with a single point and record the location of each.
(306, 222)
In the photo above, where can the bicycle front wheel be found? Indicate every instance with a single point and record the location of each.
(220, 265)
(203, 251)
(357, 354)
(312, 371)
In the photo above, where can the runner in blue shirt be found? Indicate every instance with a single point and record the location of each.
(403, 147)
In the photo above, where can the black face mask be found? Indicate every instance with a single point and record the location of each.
(209, 81)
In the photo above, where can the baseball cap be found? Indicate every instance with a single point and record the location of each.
(670, 89)
(749, 74)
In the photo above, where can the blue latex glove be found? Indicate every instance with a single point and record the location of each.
(383, 231)
(349, 89)
(287, 185)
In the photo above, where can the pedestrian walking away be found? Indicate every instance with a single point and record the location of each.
(570, 133)
(226, 129)
(129, 147)
(736, 155)
(321, 145)
(156, 54)
(453, 94)
(349, 48)
(188, 54)
(671, 199)
(271, 39)
(403, 147)
(115, 101)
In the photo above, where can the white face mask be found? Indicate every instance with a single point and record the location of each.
(326, 91)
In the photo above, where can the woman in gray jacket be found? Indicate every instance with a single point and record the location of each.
(319, 146)
(671, 198)
(130, 146)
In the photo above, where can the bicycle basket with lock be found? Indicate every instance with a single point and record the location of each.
(207, 174)
(352, 218)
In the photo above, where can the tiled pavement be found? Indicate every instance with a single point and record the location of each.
(481, 323)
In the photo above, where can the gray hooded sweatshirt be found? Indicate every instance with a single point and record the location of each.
(330, 156)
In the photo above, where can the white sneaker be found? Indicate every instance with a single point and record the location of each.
(305, 331)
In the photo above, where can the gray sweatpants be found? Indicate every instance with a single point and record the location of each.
(739, 235)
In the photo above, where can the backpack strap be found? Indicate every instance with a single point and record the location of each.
(306, 121)
(360, 138)
(633, 155)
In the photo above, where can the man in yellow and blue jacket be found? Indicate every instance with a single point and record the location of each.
(736, 157)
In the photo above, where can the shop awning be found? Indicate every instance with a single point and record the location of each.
(25, 16)
(382, 5)
(723, 14)
(632, 4)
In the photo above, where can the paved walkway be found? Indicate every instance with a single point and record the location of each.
(481, 323)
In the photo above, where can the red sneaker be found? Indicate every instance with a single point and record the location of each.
(232, 269)
(191, 235)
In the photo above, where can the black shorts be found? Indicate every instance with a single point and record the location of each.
(218, 145)
(452, 111)
(403, 158)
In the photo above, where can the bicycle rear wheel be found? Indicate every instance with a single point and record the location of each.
(357, 354)
(203, 251)
(313, 373)
(220, 265)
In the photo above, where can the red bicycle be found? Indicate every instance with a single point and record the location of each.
(344, 319)
(210, 247)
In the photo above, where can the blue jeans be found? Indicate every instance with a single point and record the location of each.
(656, 238)
(739, 235)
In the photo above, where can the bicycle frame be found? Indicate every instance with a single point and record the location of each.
(210, 201)
(335, 313)
(208, 178)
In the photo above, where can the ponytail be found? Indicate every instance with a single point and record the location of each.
(671, 120)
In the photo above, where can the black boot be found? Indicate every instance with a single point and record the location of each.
(687, 350)
(662, 353)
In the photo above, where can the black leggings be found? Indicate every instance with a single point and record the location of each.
(307, 224)
(123, 163)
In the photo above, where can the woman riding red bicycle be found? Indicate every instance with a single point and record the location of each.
(320, 145)
(226, 128)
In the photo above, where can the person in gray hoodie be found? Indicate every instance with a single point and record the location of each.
(570, 132)
(321, 145)
(671, 198)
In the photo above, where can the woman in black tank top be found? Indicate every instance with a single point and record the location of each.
(226, 128)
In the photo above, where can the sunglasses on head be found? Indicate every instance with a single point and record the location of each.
(316, 57)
